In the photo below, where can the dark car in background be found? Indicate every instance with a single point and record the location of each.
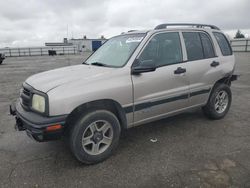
(2, 57)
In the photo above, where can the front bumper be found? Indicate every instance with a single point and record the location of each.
(37, 125)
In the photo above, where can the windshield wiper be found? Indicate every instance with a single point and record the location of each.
(85, 63)
(99, 64)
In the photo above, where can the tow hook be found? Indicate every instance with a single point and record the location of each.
(234, 77)
(12, 110)
(19, 125)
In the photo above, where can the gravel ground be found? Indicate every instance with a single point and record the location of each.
(191, 151)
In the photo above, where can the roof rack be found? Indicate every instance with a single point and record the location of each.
(164, 26)
(131, 30)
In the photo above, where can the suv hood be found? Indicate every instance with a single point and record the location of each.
(49, 80)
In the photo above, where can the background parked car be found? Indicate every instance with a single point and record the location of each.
(2, 57)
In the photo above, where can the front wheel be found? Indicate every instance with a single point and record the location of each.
(95, 136)
(219, 102)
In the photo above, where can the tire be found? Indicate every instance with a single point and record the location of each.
(95, 136)
(1, 62)
(216, 107)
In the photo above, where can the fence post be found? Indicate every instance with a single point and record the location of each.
(246, 44)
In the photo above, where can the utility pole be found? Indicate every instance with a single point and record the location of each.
(67, 31)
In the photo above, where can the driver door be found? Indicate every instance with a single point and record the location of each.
(165, 90)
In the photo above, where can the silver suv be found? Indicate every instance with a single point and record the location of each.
(134, 78)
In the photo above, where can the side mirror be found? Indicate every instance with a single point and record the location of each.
(139, 67)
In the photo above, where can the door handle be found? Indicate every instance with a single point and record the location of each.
(180, 70)
(215, 64)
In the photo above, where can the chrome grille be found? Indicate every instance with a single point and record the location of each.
(25, 96)
(26, 91)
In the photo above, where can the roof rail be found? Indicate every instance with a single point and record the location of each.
(164, 26)
(131, 30)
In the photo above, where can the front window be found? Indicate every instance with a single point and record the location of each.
(163, 49)
(116, 51)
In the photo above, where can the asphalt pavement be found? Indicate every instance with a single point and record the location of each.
(189, 150)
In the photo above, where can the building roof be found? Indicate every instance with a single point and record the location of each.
(86, 39)
(57, 44)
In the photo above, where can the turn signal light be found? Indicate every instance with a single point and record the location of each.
(53, 127)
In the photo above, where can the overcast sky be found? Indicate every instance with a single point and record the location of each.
(33, 22)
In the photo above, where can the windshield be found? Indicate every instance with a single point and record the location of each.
(116, 51)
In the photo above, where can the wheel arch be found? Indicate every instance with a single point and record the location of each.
(224, 80)
(102, 104)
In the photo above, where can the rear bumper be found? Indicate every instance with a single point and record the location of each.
(36, 125)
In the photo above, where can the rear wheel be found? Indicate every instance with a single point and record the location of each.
(219, 102)
(95, 136)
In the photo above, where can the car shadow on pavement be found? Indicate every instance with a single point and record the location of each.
(134, 138)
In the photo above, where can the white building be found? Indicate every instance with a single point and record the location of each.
(84, 44)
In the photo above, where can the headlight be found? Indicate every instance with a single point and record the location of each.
(38, 103)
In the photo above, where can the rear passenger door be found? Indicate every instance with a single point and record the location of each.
(202, 66)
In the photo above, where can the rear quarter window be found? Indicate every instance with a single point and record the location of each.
(223, 44)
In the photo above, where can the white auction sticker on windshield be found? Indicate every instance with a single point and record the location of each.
(134, 39)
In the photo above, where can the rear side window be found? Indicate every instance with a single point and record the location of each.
(193, 45)
(223, 43)
(207, 46)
